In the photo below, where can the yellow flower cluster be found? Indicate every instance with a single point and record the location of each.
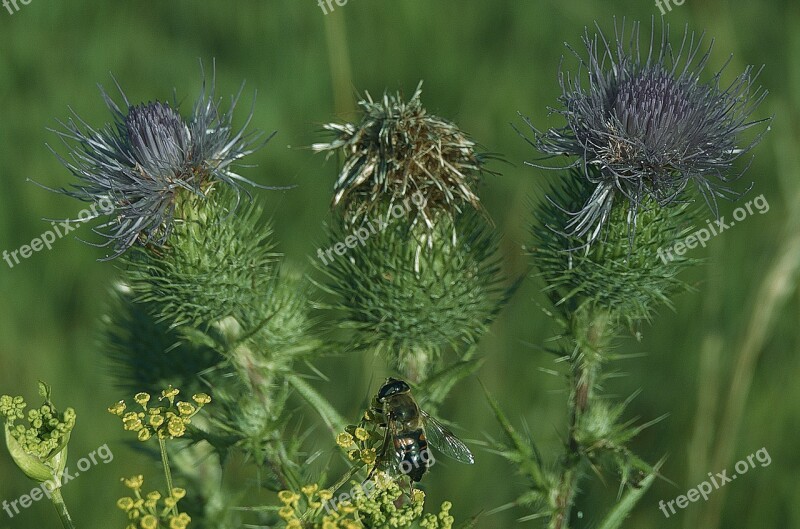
(375, 504)
(47, 431)
(315, 502)
(166, 421)
(386, 506)
(443, 521)
(360, 444)
(152, 510)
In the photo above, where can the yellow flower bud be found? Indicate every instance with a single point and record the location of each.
(142, 399)
(178, 493)
(184, 408)
(308, 490)
(344, 440)
(118, 408)
(134, 483)
(201, 399)
(126, 504)
(368, 456)
(179, 522)
(176, 427)
(362, 434)
(287, 497)
(170, 393)
(149, 522)
(286, 512)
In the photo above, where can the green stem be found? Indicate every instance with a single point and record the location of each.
(61, 508)
(162, 443)
(590, 336)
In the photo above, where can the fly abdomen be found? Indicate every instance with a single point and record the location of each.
(412, 453)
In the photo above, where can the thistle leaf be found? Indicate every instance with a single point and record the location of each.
(333, 420)
(617, 515)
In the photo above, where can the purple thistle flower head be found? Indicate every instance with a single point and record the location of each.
(643, 124)
(147, 157)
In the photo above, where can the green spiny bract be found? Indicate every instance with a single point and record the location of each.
(398, 149)
(619, 274)
(219, 263)
(409, 295)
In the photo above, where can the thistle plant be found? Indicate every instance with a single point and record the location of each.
(641, 125)
(418, 290)
(205, 306)
(424, 279)
(150, 157)
(202, 303)
(645, 125)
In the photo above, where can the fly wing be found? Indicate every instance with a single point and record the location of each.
(445, 441)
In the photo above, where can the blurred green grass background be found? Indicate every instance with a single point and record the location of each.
(482, 63)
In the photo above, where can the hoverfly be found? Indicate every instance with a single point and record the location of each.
(408, 431)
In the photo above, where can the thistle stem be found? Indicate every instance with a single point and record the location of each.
(585, 362)
(162, 444)
(61, 508)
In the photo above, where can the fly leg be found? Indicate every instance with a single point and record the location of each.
(381, 454)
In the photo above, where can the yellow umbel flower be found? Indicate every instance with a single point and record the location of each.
(362, 434)
(134, 483)
(201, 399)
(345, 440)
(165, 421)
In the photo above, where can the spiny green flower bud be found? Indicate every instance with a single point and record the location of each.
(40, 449)
(622, 275)
(409, 295)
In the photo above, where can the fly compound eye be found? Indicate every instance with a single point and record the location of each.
(392, 386)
